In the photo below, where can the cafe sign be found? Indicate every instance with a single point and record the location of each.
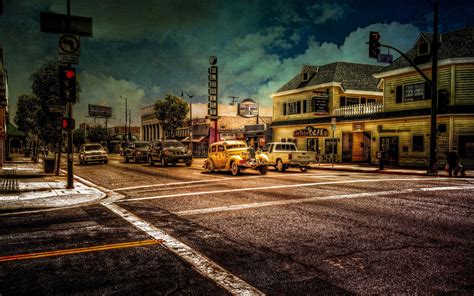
(248, 108)
(310, 131)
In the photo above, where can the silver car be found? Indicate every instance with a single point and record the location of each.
(92, 152)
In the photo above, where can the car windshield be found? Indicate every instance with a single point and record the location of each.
(266, 148)
(236, 146)
(92, 147)
(173, 145)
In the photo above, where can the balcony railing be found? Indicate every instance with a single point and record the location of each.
(359, 110)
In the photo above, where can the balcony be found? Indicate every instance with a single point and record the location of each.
(359, 110)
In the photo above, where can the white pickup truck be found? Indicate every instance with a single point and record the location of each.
(283, 155)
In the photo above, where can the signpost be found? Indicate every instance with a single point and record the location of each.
(70, 27)
(333, 125)
(212, 92)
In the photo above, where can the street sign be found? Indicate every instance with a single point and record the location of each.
(69, 59)
(69, 44)
(333, 123)
(64, 24)
(57, 108)
(212, 90)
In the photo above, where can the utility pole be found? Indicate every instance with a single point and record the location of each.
(190, 118)
(434, 84)
(129, 124)
(233, 99)
(126, 110)
(70, 155)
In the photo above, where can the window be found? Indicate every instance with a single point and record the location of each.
(413, 92)
(316, 104)
(305, 76)
(423, 48)
(371, 101)
(213, 148)
(466, 146)
(293, 108)
(220, 148)
(352, 101)
(418, 142)
(328, 146)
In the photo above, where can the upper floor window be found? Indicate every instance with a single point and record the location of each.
(305, 76)
(290, 108)
(423, 48)
(413, 92)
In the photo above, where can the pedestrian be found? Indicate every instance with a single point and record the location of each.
(452, 159)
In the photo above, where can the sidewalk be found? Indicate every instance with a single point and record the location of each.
(24, 185)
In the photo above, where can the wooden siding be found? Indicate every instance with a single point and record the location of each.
(464, 85)
(391, 83)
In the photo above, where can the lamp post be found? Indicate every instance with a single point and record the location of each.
(190, 118)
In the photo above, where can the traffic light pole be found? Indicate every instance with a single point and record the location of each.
(70, 155)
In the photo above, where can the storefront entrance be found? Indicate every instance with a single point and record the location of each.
(312, 144)
(390, 146)
(356, 147)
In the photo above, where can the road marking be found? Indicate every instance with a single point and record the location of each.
(198, 261)
(220, 179)
(79, 250)
(275, 187)
(311, 199)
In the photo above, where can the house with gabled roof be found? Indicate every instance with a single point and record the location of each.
(303, 108)
(369, 109)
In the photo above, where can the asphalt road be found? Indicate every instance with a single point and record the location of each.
(186, 232)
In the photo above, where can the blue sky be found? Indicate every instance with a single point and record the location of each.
(144, 49)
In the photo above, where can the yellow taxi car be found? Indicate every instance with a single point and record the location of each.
(234, 156)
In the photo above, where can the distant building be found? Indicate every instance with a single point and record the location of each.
(3, 110)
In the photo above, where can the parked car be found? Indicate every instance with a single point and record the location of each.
(169, 152)
(92, 152)
(234, 156)
(284, 155)
(136, 151)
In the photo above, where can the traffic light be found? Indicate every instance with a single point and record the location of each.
(68, 123)
(374, 44)
(67, 83)
(443, 101)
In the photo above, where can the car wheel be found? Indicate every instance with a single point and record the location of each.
(125, 158)
(106, 161)
(150, 161)
(303, 169)
(209, 166)
(235, 169)
(280, 166)
(189, 163)
(163, 162)
(263, 169)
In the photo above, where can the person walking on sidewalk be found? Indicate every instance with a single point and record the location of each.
(452, 159)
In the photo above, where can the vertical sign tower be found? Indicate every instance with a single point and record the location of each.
(213, 101)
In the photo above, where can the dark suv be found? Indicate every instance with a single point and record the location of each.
(136, 151)
(169, 151)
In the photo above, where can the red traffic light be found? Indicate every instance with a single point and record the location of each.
(68, 123)
(69, 74)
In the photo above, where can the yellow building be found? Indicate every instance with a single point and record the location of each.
(397, 117)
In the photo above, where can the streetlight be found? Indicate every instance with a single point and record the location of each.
(190, 118)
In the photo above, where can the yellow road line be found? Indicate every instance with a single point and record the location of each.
(80, 250)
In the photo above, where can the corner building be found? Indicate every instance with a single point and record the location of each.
(384, 109)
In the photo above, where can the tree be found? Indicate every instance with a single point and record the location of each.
(78, 138)
(171, 112)
(96, 134)
(45, 86)
(25, 118)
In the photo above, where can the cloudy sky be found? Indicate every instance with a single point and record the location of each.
(144, 49)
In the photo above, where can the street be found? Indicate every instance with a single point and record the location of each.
(179, 230)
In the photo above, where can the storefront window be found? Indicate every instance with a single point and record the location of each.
(328, 146)
(413, 92)
(312, 144)
(466, 146)
(418, 143)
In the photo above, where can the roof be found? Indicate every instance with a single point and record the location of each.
(454, 44)
(350, 75)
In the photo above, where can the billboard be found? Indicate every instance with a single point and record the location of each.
(248, 108)
(100, 111)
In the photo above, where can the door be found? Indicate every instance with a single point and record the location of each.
(347, 139)
(312, 144)
(390, 146)
(358, 147)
